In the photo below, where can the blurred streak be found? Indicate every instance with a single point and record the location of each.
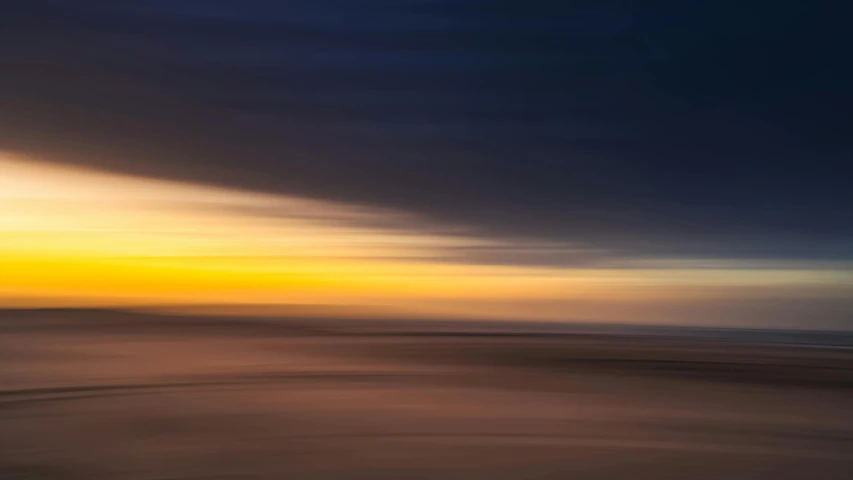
(284, 337)
(425, 239)
(73, 236)
(102, 394)
(102, 234)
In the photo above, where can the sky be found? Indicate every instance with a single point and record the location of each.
(655, 161)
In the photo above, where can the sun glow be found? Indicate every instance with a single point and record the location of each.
(72, 235)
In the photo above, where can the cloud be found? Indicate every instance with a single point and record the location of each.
(702, 130)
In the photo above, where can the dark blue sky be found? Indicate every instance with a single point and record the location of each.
(708, 128)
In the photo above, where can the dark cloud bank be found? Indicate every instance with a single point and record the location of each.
(714, 128)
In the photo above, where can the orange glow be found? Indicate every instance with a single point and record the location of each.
(70, 235)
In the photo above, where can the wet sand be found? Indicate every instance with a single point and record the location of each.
(88, 395)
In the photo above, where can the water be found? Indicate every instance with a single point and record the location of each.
(88, 395)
